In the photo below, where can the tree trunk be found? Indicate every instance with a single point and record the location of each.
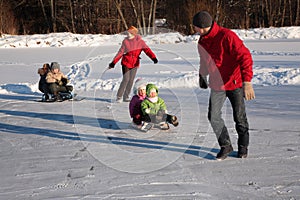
(136, 15)
(154, 17)
(118, 5)
(268, 12)
(45, 15)
(247, 19)
(150, 16)
(143, 17)
(53, 16)
(291, 13)
(218, 10)
(297, 22)
(1, 17)
(72, 16)
(283, 13)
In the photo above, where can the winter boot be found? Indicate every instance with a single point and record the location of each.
(242, 152)
(146, 126)
(172, 119)
(164, 126)
(127, 99)
(58, 98)
(45, 97)
(224, 152)
(119, 100)
(65, 95)
(69, 88)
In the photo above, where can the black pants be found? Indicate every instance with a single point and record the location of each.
(216, 102)
(44, 87)
(55, 88)
(127, 82)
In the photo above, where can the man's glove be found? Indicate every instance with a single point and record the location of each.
(111, 65)
(248, 91)
(203, 82)
(155, 60)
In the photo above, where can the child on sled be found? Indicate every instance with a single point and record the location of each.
(155, 111)
(135, 111)
(150, 110)
(57, 82)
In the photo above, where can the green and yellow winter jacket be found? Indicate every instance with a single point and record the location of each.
(151, 108)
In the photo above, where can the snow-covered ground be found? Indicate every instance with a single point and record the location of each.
(86, 150)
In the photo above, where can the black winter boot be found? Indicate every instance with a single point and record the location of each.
(58, 98)
(224, 152)
(172, 119)
(242, 152)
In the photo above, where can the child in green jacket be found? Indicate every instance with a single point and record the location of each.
(155, 110)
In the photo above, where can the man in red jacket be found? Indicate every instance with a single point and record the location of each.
(228, 63)
(130, 50)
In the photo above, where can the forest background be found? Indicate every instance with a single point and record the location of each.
(150, 16)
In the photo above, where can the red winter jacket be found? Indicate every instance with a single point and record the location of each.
(224, 57)
(131, 50)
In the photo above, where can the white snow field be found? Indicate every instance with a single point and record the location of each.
(87, 150)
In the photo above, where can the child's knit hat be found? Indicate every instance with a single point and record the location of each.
(139, 83)
(150, 87)
(55, 65)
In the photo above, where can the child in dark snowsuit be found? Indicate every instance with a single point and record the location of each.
(43, 85)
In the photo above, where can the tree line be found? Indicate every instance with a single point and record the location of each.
(115, 16)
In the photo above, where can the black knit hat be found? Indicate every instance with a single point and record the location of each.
(202, 19)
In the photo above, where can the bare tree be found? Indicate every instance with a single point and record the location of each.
(150, 16)
(291, 13)
(218, 10)
(44, 14)
(143, 16)
(283, 12)
(53, 15)
(154, 16)
(247, 14)
(7, 20)
(112, 16)
(136, 14)
(297, 21)
(72, 16)
(118, 5)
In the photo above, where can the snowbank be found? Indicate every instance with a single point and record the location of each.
(81, 40)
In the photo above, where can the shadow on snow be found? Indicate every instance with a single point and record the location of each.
(103, 123)
(203, 152)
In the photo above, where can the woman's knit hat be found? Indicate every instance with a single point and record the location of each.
(133, 30)
(202, 19)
